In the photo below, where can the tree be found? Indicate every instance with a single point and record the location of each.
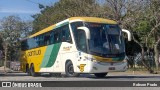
(114, 9)
(146, 23)
(1, 53)
(153, 37)
(12, 28)
(1, 47)
(131, 14)
(63, 10)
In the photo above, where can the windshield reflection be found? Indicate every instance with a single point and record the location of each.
(105, 39)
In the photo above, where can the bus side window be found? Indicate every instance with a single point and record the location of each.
(36, 41)
(81, 41)
(74, 27)
(66, 36)
(32, 42)
(41, 40)
(51, 38)
(56, 36)
(29, 42)
(63, 35)
(47, 39)
(24, 45)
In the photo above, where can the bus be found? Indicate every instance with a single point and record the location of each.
(75, 46)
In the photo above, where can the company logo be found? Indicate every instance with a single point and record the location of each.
(81, 67)
(67, 48)
(21, 84)
(34, 53)
(6, 84)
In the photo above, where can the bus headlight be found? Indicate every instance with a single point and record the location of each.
(90, 59)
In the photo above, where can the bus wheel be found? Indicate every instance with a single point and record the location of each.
(33, 73)
(28, 71)
(70, 70)
(100, 75)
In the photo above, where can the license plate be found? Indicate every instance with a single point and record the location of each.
(111, 68)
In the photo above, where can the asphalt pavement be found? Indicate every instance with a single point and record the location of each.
(112, 76)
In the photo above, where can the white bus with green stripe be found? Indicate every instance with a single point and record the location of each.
(74, 46)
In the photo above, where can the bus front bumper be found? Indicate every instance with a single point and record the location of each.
(103, 67)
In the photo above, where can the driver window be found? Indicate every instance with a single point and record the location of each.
(81, 40)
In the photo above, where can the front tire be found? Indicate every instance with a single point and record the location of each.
(70, 70)
(100, 75)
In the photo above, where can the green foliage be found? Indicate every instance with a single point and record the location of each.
(63, 10)
(1, 47)
(142, 28)
(12, 29)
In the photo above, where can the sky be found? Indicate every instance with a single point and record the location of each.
(22, 8)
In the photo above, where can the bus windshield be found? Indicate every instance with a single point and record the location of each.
(105, 39)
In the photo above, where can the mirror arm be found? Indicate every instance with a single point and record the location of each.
(128, 34)
(86, 30)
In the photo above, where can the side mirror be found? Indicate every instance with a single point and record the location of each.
(86, 31)
(128, 34)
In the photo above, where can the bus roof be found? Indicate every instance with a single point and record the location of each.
(92, 19)
(74, 19)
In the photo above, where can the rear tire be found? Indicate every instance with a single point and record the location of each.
(32, 71)
(100, 75)
(28, 71)
(70, 70)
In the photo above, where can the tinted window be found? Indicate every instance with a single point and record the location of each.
(24, 45)
(57, 36)
(32, 43)
(51, 39)
(61, 34)
(41, 40)
(47, 39)
(81, 41)
(65, 34)
(74, 27)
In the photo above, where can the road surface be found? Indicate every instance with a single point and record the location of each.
(115, 76)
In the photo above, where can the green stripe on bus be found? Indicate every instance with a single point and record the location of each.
(53, 54)
(47, 55)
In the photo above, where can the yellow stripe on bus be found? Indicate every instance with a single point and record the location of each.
(94, 19)
(43, 31)
(102, 59)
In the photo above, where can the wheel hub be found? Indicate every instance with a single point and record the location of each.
(70, 70)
